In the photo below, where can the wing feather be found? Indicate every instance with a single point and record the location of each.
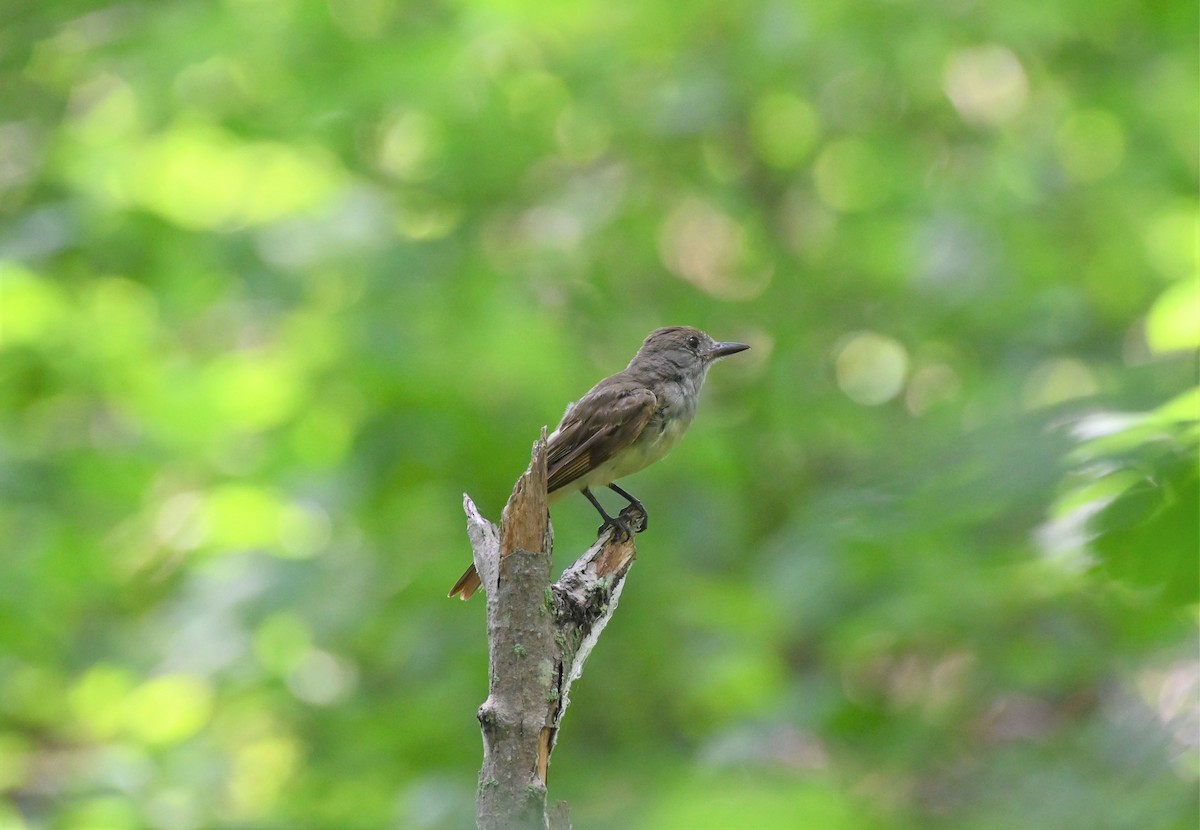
(602, 423)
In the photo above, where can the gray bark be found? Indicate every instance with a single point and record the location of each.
(539, 636)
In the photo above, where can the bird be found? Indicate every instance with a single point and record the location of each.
(626, 422)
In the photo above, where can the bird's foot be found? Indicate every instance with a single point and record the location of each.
(621, 531)
(631, 520)
(635, 516)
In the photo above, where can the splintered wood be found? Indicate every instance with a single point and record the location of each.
(539, 636)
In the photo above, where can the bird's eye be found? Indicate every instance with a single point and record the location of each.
(693, 342)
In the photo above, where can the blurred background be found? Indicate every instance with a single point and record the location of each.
(281, 279)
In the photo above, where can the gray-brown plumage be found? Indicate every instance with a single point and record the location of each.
(626, 421)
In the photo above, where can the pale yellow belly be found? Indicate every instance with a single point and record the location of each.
(650, 447)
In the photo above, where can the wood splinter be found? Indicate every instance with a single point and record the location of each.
(539, 636)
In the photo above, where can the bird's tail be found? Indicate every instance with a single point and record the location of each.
(467, 584)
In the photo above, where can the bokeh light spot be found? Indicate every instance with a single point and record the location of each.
(178, 523)
(986, 84)
(253, 390)
(261, 768)
(1174, 320)
(123, 316)
(706, 247)
(423, 219)
(321, 679)
(410, 146)
(242, 516)
(1056, 381)
(168, 709)
(98, 700)
(870, 367)
(932, 385)
(784, 129)
(30, 308)
(203, 178)
(104, 109)
(1170, 237)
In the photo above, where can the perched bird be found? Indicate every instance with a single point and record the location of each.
(626, 422)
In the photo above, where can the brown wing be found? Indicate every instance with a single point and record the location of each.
(603, 422)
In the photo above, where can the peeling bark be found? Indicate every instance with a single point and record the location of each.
(539, 636)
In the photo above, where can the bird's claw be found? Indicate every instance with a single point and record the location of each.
(619, 527)
(635, 517)
(632, 519)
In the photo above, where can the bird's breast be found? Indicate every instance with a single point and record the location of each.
(658, 438)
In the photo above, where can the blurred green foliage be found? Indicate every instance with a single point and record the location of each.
(280, 279)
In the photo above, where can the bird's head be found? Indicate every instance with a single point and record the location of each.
(681, 350)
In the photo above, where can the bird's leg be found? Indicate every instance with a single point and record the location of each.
(635, 503)
(609, 521)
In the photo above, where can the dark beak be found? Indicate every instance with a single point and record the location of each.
(720, 350)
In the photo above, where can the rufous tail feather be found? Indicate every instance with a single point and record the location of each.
(467, 584)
